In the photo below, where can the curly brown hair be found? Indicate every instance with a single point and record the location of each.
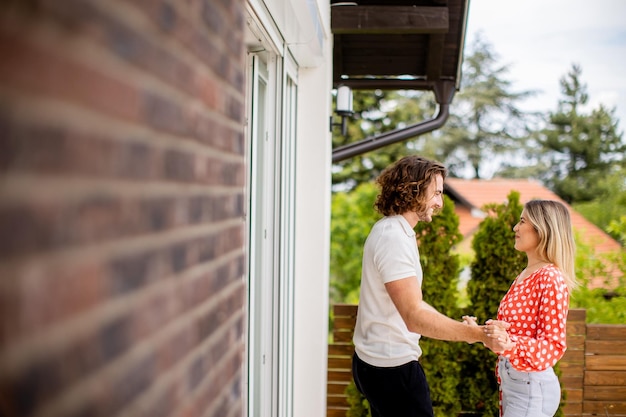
(403, 185)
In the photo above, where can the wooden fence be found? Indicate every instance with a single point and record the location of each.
(593, 370)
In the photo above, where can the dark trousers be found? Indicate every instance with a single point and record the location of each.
(400, 391)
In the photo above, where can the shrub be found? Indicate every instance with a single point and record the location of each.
(496, 263)
(606, 305)
(359, 407)
(439, 289)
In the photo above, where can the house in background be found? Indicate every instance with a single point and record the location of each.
(470, 196)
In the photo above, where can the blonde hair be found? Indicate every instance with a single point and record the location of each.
(551, 220)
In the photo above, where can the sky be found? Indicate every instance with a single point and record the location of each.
(539, 40)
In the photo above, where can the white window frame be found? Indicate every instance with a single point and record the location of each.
(271, 93)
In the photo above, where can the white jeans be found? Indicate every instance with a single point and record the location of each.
(528, 394)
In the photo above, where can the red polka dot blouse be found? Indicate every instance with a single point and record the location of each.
(537, 310)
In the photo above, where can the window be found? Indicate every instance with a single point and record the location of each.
(270, 131)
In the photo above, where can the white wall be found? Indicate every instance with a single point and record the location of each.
(313, 181)
(304, 26)
(312, 247)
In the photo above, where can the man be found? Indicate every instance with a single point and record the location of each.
(392, 315)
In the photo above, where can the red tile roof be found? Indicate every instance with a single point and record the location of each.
(471, 195)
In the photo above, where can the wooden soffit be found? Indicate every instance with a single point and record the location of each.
(397, 44)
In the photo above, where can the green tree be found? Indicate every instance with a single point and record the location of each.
(606, 306)
(377, 112)
(439, 288)
(485, 120)
(352, 217)
(495, 265)
(583, 148)
(607, 207)
(617, 228)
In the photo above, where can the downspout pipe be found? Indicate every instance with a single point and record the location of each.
(444, 92)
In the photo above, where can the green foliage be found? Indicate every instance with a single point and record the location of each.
(377, 112)
(353, 215)
(359, 407)
(617, 228)
(439, 288)
(608, 207)
(484, 119)
(584, 147)
(602, 306)
(581, 157)
(495, 265)
(461, 377)
(496, 261)
(606, 306)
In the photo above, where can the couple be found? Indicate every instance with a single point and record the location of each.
(528, 335)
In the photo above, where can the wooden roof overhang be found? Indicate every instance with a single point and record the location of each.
(398, 45)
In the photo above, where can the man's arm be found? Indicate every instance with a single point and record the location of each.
(422, 318)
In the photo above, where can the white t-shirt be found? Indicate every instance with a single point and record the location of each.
(380, 336)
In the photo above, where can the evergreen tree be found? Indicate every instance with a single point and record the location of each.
(439, 289)
(496, 263)
(485, 120)
(377, 112)
(583, 148)
(608, 206)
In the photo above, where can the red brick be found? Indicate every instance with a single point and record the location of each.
(44, 294)
(133, 272)
(55, 150)
(178, 166)
(100, 217)
(34, 69)
(141, 50)
(209, 90)
(228, 386)
(151, 314)
(174, 348)
(164, 114)
(25, 229)
(102, 282)
(223, 172)
(163, 404)
(128, 385)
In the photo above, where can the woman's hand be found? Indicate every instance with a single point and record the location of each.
(497, 330)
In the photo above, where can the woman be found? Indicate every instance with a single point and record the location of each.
(532, 315)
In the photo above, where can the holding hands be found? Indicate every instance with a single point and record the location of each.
(497, 337)
(497, 331)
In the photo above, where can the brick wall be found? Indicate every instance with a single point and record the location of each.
(121, 202)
